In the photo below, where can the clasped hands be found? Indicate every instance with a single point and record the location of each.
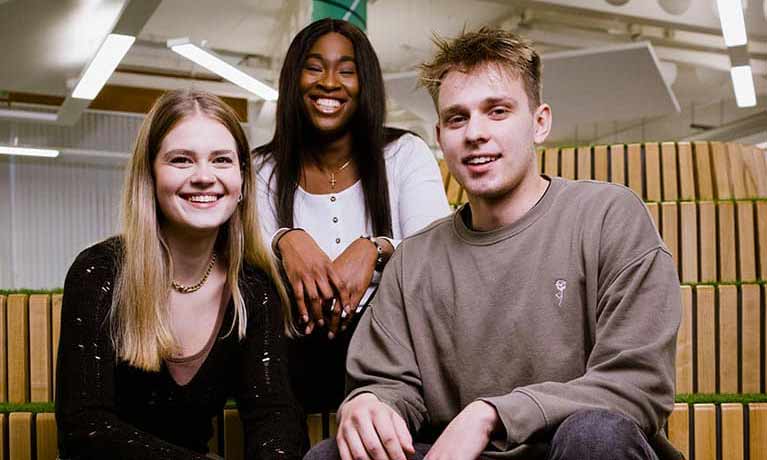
(369, 429)
(326, 291)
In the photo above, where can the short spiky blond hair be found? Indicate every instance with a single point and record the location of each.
(471, 50)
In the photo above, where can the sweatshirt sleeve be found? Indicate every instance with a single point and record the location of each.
(88, 425)
(630, 368)
(380, 359)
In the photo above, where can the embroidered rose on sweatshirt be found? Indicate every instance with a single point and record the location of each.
(561, 285)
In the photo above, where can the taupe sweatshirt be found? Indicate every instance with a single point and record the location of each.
(576, 305)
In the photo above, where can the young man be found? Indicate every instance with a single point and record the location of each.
(537, 322)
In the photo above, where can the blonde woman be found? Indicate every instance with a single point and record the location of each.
(164, 323)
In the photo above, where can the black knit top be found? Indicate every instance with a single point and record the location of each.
(106, 408)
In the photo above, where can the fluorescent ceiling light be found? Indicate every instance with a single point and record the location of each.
(29, 152)
(103, 64)
(743, 83)
(733, 26)
(222, 68)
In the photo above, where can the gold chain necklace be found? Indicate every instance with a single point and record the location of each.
(333, 173)
(195, 287)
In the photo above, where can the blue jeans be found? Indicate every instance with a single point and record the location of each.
(585, 435)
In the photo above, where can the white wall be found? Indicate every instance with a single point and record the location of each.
(53, 209)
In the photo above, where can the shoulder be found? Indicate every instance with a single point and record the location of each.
(103, 256)
(437, 230)
(407, 146)
(596, 196)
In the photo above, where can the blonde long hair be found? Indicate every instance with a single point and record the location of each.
(140, 323)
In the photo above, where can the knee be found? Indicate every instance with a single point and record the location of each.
(325, 450)
(599, 434)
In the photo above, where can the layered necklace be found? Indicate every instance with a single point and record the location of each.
(195, 287)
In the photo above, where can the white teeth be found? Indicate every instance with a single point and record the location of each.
(480, 160)
(329, 103)
(202, 198)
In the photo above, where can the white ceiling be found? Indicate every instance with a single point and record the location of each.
(45, 43)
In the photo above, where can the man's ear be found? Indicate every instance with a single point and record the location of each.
(438, 131)
(542, 120)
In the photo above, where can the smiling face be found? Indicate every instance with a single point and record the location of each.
(329, 84)
(487, 131)
(197, 175)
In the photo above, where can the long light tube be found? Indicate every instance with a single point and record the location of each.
(29, 152)
(733, 26)
(743, 82)
(222, 68)
(102, 66)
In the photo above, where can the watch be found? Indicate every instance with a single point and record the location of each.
(380, 264)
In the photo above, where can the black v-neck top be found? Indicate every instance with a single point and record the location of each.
(106, 408)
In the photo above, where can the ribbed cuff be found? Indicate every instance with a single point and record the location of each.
(520, 414)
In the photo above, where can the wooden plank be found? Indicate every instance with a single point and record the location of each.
(737, 171)
(761, 228)
(705, 181)
(20, 435)
(757, 418)
(689, 235)
(727, 256)
(234, 439)
(751, 170)
(686, 171)
(3, 352)
(732, 431)
(751, 338)
(3, 441)
(756, 168)
(728, 339)
(684, 345)
(18, 348)
(213, 442)
(600, 163)
(584, 163)
(652, 171)
(746, 242)
(705, 432)
(56, 300)
(551, 162)
(617, 164)
(45, 436)
(652, 208)
(670, 229)
(539, 160)
(668, 160)
(679, 428)
(40, 389)
(721, 171)
(707, 229)
(706, 346)
(568, 163)
(454, 191)
(314, 425)
(333, 424)
(634, 155)
(444, 172)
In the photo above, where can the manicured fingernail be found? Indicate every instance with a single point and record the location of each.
(305, 318)
(321, 322)
(348, 309)
(359, 309)
(343, 314)
(331, 335)
(308, 330)
(343, 327)
(333, 306)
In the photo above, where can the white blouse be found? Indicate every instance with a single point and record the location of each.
(335, 220)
